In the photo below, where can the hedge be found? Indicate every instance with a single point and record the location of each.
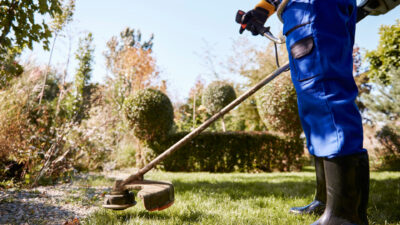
(232, 151)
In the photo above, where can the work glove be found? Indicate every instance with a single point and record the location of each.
(253, 20)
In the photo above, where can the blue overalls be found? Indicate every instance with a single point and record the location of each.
(320, 39)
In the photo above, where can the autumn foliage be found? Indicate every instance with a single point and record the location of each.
(131, 61)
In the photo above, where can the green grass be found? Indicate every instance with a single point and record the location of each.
(237, 198)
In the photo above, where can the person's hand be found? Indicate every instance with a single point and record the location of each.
(253, 20)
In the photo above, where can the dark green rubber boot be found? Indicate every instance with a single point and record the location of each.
(318, 205)
(347, 182)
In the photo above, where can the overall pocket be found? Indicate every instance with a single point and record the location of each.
(302, 46)
(304, 53)
(296, 13)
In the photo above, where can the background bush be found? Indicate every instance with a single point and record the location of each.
(390, 151)
(28, 130)
(217, 95)
(277, 106)
(150, 113)
(232, 151)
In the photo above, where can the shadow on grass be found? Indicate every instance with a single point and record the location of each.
(239, 190)
(384, 199)
(145, 217)
(185, 216)
(142, 214)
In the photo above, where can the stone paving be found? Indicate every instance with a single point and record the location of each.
(59, 204)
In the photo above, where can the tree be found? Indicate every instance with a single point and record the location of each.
(82, 88)
(384, 100)
(130, 60)
(74, 109)
(59, 22)
(357, 61)
(384, 94)
(246, 117)
(364, 88)
(386, 57)
(9, 67)
(19, 27)
(191, 113)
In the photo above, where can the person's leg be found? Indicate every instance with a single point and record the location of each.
(318, 205)
(347, 169)
(320, 38)
(347, 181)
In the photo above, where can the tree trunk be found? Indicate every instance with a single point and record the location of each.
(194, 110)
(62, 91)
(223, 124)
(138, 156)
(47, 70)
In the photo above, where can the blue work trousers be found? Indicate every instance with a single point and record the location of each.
(320, 38)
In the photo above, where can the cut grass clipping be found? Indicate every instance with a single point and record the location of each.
(238, 198)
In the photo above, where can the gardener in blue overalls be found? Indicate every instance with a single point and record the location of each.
(320, 37)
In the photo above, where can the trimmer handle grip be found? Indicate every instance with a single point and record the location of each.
(264, 31)
(239, 16)
(239, 19)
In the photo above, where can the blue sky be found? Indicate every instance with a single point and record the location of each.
(181, 29)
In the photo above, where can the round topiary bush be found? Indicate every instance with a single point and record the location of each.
(277, 106)
(150, 113)
(217, 95)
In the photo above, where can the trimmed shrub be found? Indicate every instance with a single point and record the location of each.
(150, 113)
(218, 95)
(277, 106)
(232, 151)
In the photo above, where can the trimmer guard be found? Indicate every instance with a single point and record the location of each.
(156, 195)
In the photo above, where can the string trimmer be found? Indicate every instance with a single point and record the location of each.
(159, 195)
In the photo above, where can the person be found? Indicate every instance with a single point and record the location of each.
(320, 38)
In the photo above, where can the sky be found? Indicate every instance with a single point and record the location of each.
(183, 30)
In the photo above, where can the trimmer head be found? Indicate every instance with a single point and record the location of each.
(156, 195)
(119, 200)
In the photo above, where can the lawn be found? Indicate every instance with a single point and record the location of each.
(239, 198)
